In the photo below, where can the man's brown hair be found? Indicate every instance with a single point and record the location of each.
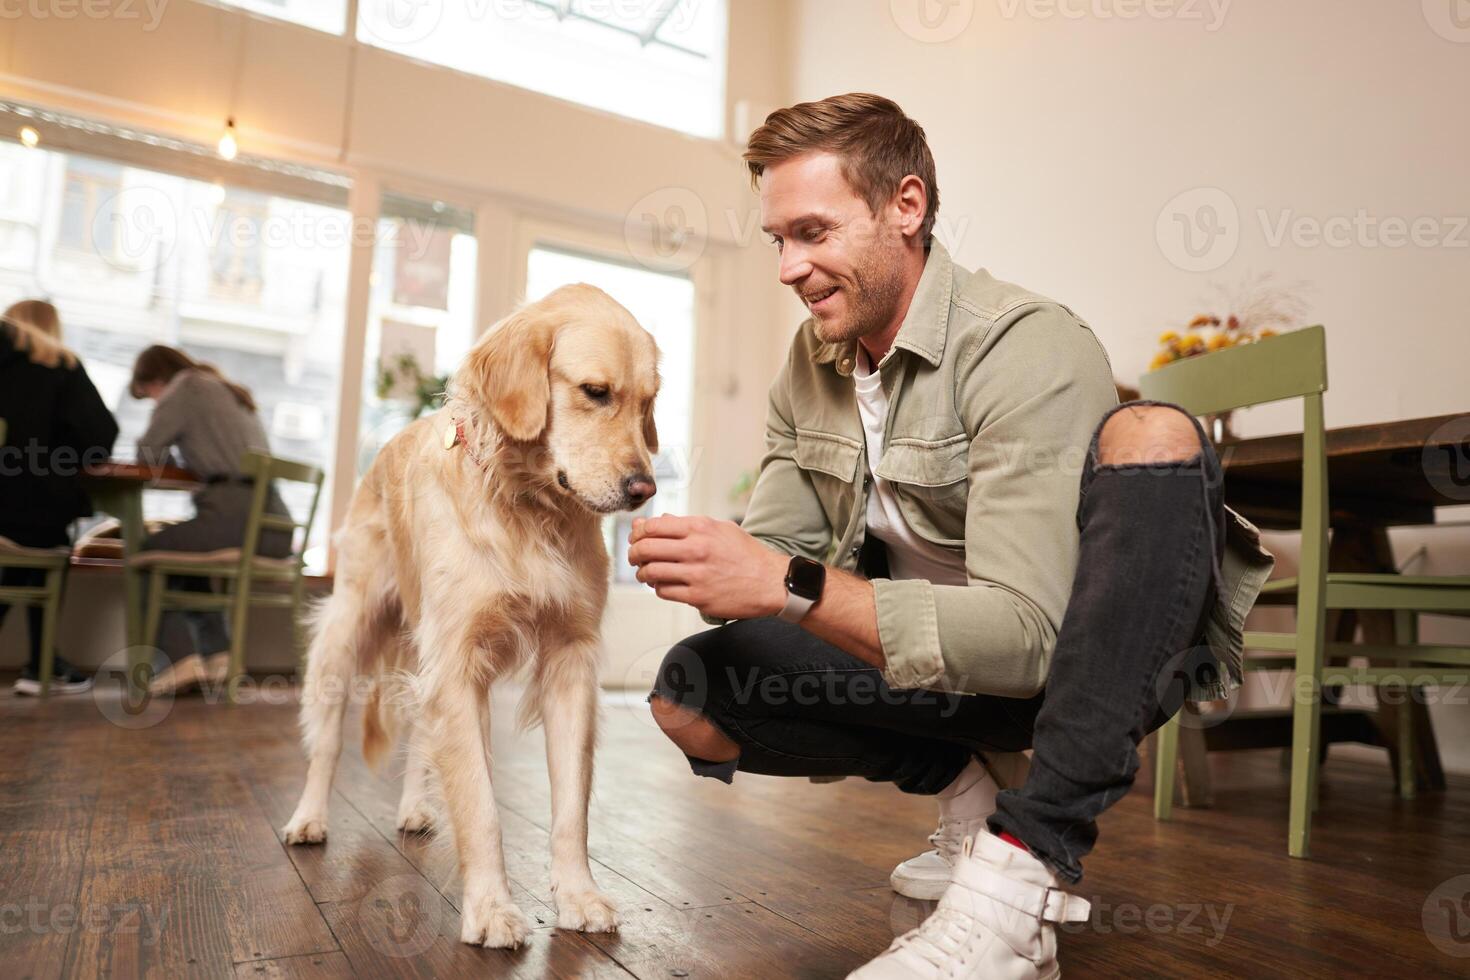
(878, 144)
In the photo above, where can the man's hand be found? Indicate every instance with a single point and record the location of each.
(711, 565)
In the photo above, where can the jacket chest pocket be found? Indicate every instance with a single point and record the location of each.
(930, 478)
(831, 462)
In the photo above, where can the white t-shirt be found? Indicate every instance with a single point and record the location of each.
(909, 556)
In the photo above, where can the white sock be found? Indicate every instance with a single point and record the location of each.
(971, 796)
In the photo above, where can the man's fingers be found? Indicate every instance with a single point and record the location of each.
(663, 572)
(659, 549)
(663, 526)
(674, 593)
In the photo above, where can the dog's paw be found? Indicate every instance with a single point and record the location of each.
(305, 830)
(490, 923)
(416, 819)
(585, 911)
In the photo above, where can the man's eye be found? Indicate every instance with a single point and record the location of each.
(597, 393)
(776, 242)
(813, 234)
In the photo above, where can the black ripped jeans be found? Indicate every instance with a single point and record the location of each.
(1152, 537)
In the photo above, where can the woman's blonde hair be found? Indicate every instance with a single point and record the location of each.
(161, 364)
(34, 327)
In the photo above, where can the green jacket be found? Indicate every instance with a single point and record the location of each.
(994, 393)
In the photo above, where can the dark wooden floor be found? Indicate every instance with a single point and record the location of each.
(153, 851)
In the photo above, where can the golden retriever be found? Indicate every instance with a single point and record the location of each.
(473, 547)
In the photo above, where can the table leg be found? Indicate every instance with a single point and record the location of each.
(125, 502)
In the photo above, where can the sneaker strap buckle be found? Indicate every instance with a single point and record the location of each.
(1044, 903)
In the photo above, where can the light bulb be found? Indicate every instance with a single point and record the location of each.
(227, 145)
(29, 136)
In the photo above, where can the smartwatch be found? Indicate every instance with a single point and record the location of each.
(804, 581)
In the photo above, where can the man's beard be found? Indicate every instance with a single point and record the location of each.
(872, 294)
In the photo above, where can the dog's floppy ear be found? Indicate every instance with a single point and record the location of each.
(508, 372)
(650, 432)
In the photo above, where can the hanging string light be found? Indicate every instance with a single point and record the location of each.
(228, 146)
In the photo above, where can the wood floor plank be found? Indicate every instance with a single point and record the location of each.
(155, 925)
(314, 966)
(741, 940)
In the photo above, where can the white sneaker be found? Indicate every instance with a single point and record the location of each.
(964, 808)
(993, 923)
(926, 876)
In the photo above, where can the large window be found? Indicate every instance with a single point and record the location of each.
(664, 305)
(421, 314)
(661, 61)
(324, 15)
(251, 282)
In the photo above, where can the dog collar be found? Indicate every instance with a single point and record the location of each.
(455, 437)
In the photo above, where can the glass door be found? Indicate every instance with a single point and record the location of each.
(421, 314)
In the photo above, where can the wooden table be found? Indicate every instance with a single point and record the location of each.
(1384, 475)
(116, 487)
(1391, 474)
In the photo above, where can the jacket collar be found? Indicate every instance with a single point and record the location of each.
(925, 326)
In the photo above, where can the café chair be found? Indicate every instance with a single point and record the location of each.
(46, 597)
(251, 579)
(1288, 366)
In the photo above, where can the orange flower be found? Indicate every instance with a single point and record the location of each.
(1199, 321)
(1220, 341)
(1168, 337)
(1233, 323)
(1160, 359)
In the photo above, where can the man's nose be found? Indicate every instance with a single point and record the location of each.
(638, 488)
(794, 265)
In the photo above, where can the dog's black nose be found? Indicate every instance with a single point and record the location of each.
(638, 488)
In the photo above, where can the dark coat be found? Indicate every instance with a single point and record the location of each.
(55, 422)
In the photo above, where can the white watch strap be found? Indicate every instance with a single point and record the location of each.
(796, 607)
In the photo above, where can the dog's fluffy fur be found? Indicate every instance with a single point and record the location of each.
(459, 566)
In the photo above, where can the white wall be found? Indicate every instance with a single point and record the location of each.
(514, 156)
(1064, 129)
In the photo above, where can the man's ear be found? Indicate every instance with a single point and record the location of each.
(507, 374)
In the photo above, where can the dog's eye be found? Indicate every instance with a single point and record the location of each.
(597, 393)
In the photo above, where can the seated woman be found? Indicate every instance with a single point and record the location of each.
(210, 422)
(54, 421)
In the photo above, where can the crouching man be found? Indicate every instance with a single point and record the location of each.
(959, 546)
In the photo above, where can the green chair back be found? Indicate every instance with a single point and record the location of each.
(1290, 365)
(265, 471)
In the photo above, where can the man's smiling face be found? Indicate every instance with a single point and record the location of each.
(843, 261)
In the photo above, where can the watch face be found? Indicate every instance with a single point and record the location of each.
(805, 578)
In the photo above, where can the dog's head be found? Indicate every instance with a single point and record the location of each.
(574, 375)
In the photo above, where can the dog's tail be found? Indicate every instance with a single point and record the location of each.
(377, 730)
